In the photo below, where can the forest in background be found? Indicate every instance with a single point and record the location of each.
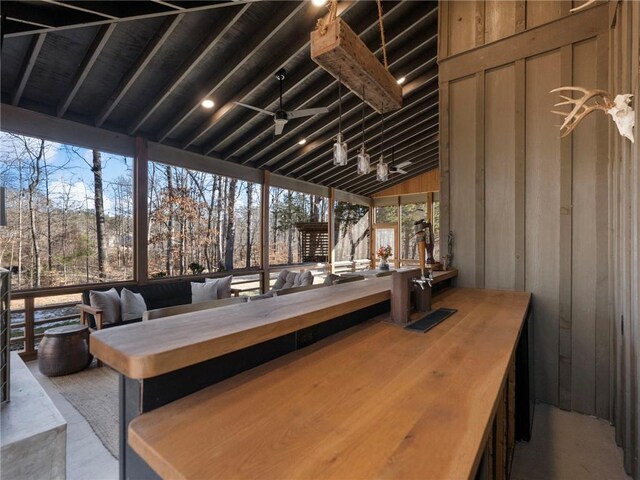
(70, 218)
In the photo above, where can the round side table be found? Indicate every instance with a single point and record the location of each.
(64, 350)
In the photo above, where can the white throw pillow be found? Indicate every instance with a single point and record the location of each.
(132, 305)
(203, 292)
(223, 286)
(109, 303)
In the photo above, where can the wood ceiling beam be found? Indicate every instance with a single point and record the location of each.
(27, 67)
(429, 146)
(275, 64)
(186, 69)
(424, 165)
(262, 154)
(293, 81)
(317, 139)
(106, 21)
(79, 9)
(268, 30)
(150, 51)
(89, 60)
(313, 127)
(169, 4)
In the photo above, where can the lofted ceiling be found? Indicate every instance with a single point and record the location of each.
(143, 68)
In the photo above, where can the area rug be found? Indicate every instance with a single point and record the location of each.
(94, 393)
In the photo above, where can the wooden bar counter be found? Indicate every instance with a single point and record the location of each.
(373, 401)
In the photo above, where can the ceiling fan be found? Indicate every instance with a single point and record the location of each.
(398, 168)
(281, 116)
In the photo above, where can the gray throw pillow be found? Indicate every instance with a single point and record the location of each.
(203, 292)
(223, 286)
(109, 303)
(304, 279)
(281, 280)
(329, 279)
(290, 281)
(132, 305)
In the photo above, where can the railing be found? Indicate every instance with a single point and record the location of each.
(351, 266)
(27, 331)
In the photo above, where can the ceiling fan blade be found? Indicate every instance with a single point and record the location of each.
(307, 112)
(406, 163)
(401, 171)
(279, 128)
(266, 112)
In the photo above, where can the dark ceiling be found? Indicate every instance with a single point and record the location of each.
(143, 68)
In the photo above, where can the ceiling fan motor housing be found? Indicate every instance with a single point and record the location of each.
(281, 115)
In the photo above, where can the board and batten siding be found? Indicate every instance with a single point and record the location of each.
(525, 206)
(531, 211)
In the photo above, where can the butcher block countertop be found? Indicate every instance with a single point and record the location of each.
(152, 348)
(374, 401)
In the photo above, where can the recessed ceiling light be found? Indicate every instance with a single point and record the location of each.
(302, 142)
(318, 3)
(401, 80)
(208, 103)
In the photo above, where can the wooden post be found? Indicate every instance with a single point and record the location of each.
(332, 229)
(29, 330)
(264, 233)
(397, 234)
(140, 212)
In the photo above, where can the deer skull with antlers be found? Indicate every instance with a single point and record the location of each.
(619, 109)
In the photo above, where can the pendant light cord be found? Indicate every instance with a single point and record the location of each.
(382, 135)
(340, 101)
(363, 115)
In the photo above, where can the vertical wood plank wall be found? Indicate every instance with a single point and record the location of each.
(524, 204)
(557, 217)
(624, 235)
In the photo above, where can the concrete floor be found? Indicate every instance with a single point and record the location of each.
(87, 458)
(567, 446)
(564, 446)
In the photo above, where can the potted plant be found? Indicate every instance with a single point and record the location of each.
(383, 254)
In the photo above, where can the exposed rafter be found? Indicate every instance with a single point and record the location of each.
(89, 60)
(276, 63)
(27, 67)
(167, 68)
(186, 69)
(269, 29)
(156, 44)
(398, 33)
(96, 18)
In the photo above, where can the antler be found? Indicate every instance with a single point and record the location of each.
(584, 5)
(575, 116)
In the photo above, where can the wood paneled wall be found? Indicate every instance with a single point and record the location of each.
(624, 228)
(529, 210)
(425, 182)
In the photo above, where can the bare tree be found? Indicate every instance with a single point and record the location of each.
(230, 235)
(99, 207)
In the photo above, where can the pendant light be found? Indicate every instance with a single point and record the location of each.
(382, 170)
(340, 147)
(364, 162)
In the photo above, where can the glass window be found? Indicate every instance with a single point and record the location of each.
(298, 227)
(386, 214)
(408, 249)
(70, 213)
(351, 232)
(201, 223)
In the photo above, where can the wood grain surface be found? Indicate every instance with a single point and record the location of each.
(372, 401)
(148, 349)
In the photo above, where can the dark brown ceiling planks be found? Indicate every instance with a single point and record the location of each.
(143, 67)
